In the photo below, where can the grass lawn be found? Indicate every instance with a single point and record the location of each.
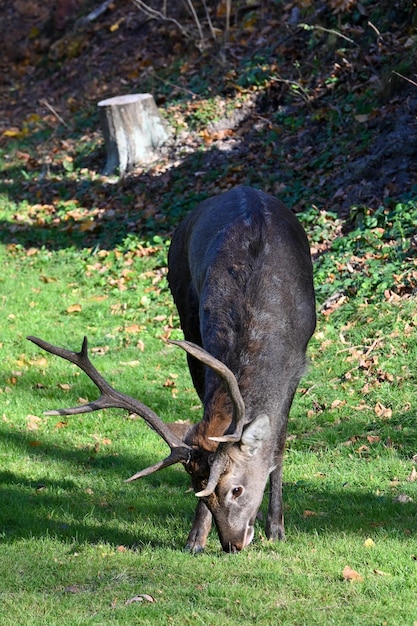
(79, 546)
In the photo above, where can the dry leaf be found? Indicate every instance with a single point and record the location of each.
(308, 513)
(74, 308)
(72, 589)
(140, 598)
(382, 411)
(169, 383)
(133, 328)
(403, 499)
(379, 572)
(41, 362)
(362, 118)
(369, 543)
(337, 403)
(351, 574)
(413, 476)
(32, 422)
(87, 226)
(100, 350)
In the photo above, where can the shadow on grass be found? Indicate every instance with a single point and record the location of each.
(92, 504)
(348, 510)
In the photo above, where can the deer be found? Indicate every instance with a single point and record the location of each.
(240, 273)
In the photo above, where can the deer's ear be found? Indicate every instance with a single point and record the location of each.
(255, 434)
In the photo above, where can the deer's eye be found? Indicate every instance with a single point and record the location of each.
(237, 491)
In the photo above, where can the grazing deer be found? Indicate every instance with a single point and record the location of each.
(240, 274)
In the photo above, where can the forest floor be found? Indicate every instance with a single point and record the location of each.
(317, 109)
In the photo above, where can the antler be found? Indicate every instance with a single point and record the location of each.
(231, 383)
(221, 458)
(111, 398)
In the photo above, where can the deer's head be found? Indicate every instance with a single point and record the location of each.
(231, 481)
(228, 471)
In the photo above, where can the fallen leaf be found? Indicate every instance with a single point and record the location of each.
(337, 403)
(100, 350)
(169, 383)
(413, 476)
(74, 308)
(140, 598)
(369, 543)
(32, 422)
(72, 589)
(308, 513)
(403, 498)
(87, 225)
(382, 411)
(351, 574)
(379, 572)
(133, 328)
(362, 118)
(41, 362)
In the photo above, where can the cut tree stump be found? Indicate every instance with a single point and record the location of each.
(133, 131)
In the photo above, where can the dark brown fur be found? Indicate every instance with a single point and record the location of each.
(241, 276)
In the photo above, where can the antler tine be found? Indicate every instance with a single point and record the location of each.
(111, 398)
(175, 457)
(217, 469)
(231, 383)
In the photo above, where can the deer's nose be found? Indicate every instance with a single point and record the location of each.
(237, 546)
(234, 547)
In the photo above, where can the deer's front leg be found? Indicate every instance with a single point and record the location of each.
(275, 518)
(200, 529)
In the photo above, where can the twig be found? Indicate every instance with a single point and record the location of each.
(228, 12)
(327, 30)
(210, 23)
(196, 20)
(54, 112)
(96, 13)
(293, 83)
(369, 349)
(150, 12)
(405, 78)
(374, 28)
(168, 82)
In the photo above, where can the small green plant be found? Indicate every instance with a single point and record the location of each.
(374, 259)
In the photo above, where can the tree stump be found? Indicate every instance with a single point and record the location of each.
(133, 130)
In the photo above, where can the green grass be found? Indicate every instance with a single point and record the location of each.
(77, 543)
